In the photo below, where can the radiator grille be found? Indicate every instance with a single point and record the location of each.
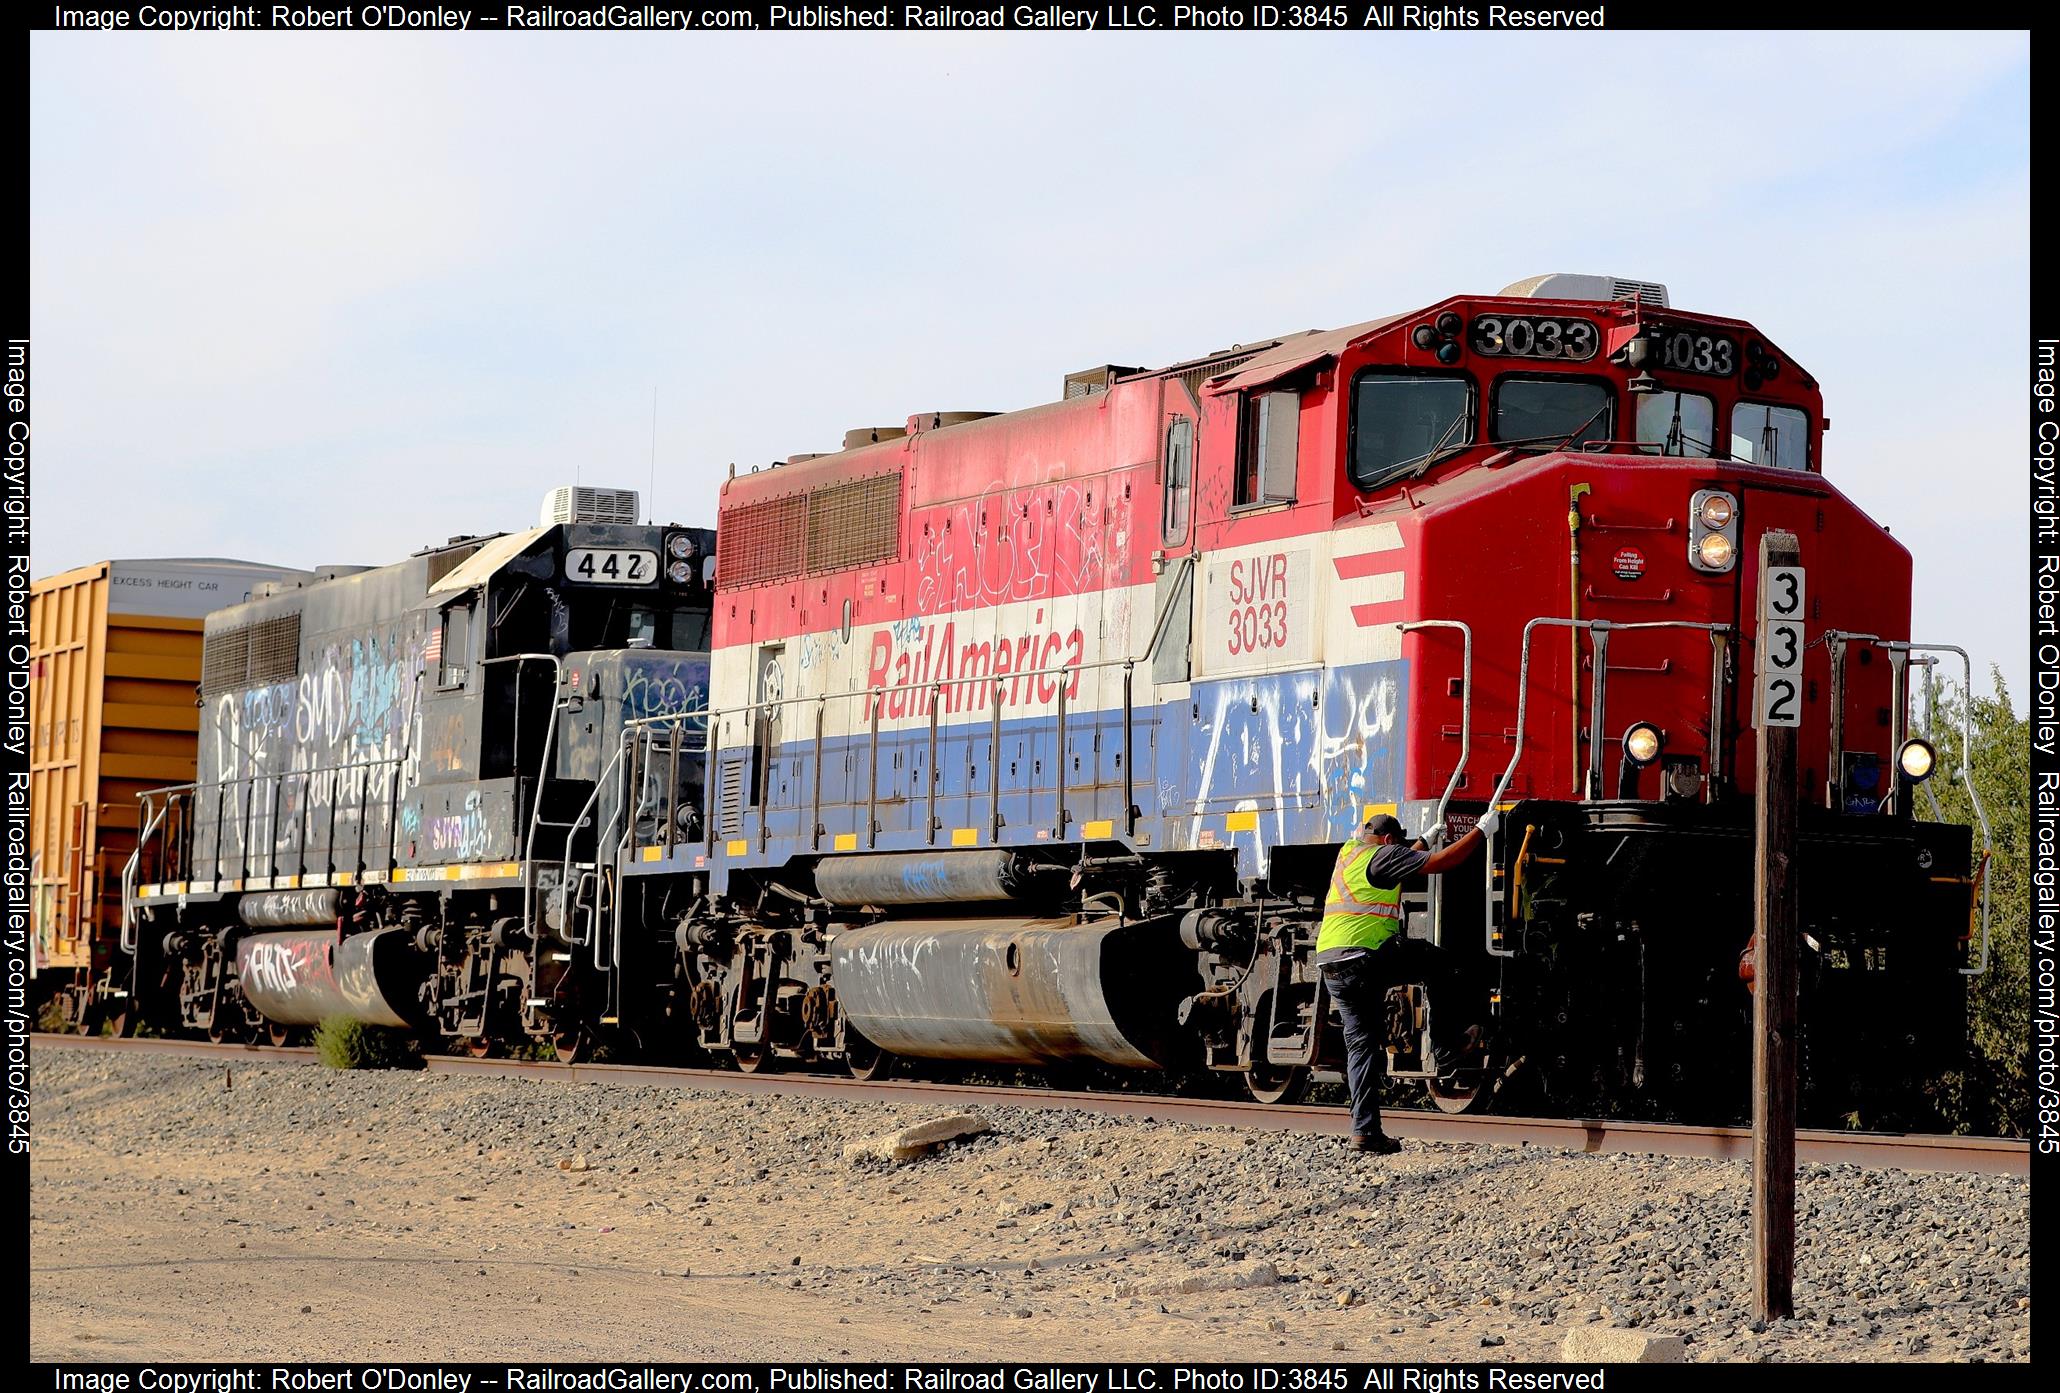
(256, 655)
(224, 659)
(762, 541)
(274, 650)
(854, 523)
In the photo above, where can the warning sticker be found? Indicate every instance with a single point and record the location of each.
(1628, 563)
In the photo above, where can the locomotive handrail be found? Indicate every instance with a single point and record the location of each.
(1465, 741)
(1465, 705)
(875, 702)
(1899, 652)
(1938, 814)
(565, 863)
(1599, 629)
(275, 777)
(1835, 641)
(536, 797)
(135, 861)
(1965, 773)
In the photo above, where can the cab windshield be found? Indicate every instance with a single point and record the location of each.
(1677, 423)
(1403, 422)
(1551, 410)
(1776, 436)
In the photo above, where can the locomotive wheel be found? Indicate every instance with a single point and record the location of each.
(477, 1046)
(753, 1059)
(1271, 1083)
(573, 1046)
(866, 1061)
(1470, 1094)
(279, 1035)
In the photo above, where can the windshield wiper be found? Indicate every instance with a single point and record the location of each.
(1436, 452)
(1549, 442)
(1678, 440)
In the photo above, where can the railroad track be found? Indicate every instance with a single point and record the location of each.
(1898, 1150)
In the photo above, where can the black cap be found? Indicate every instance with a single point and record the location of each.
(1382, 825)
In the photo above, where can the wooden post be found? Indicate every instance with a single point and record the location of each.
(1775, 933)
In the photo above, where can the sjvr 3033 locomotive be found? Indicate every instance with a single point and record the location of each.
(1029, 738)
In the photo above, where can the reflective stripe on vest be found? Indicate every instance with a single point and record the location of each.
(1358, 913)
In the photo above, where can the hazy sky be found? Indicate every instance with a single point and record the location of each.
(313, 298)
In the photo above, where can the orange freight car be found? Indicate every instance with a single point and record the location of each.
(114, 671)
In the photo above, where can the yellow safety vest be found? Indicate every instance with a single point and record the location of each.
(1358, 913)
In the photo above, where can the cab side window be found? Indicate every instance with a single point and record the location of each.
(454, 655)
(1266, 455)
(1179, 504)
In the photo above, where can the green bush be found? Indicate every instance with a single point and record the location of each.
(348, 1044)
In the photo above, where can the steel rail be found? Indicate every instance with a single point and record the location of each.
(1896, 1150)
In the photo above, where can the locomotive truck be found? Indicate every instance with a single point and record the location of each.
(1029, 739)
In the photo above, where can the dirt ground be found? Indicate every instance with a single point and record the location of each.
(181, 1209)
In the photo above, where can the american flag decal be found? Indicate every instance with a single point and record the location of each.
(432, 651)
(1369, 566)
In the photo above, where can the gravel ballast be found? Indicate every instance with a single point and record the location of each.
(184, 1209)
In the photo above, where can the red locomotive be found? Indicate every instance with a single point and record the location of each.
(1127, 667)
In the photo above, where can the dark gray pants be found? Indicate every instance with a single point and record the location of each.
(1360, 985)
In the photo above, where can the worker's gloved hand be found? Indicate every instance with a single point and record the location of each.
(1490, 820)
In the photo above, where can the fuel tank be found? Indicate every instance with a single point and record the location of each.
(924, 877)
(1015, 990)
(306, 976)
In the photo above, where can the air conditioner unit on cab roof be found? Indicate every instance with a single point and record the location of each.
(574, 504)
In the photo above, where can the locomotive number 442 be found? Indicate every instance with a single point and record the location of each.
(612, 566)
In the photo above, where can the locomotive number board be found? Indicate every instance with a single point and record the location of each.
(1532, 336)
(612, 566)
(1686, 350)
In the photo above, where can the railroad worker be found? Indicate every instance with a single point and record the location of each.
(1362, 950)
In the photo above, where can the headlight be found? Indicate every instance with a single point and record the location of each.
(1642, 744)
(1916, 759)
(679, 572)
(1713, 535)
(681, 546)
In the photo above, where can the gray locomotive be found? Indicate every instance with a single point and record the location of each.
(403, 774)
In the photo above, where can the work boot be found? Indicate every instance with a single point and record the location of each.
(1379, 1143)
(1465, 1053)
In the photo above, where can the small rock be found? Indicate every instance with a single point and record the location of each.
(912, 1142)
(1589, 1344)
(1276, 1325)
(1490, 1341)
(575, 1163)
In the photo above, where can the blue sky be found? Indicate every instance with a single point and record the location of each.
(312, 298)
